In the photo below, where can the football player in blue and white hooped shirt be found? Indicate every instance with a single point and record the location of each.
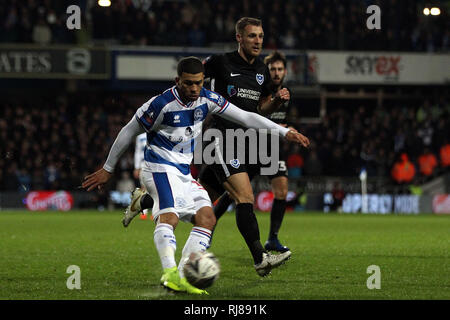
(172, 120)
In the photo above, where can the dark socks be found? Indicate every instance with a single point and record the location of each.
(146, 202)
(222, 206)
(248, 226)
(276, 217)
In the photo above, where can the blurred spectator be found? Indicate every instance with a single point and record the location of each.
(196, 36)
(51, 176)
(427, 163)
(444, 153)
(368, 158)
(381, 163)
(313, 166)
(289, 41)
(403, 170)
(426, 132)
(41, 32)
(295, 164)
(126, 183)
(338, 196)
(441, 134)
(24, 180)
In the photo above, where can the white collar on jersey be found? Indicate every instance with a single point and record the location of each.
(177, 97)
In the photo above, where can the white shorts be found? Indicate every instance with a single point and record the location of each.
(176, 193)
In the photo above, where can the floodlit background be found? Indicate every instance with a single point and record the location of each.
(374, 103)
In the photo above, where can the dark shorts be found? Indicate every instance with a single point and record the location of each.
(282, 170)
(215, 175)
(282, 162)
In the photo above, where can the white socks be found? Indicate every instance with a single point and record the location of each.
(166, 244)
(198, 240)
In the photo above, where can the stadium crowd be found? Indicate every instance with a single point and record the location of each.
(53, 144)
(375, 139)
(288, 24)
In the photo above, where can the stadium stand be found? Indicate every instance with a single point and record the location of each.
(324, 24)
(51, 144)
(48, 143)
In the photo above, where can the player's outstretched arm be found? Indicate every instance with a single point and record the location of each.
(120, 145)
(96, 179)
(294, 136)
(256, 121)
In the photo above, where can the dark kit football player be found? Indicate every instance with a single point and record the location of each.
(245, 81)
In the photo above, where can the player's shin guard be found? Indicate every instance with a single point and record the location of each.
(248, 226)
(166, 244)
(276, 217)
(198, 240)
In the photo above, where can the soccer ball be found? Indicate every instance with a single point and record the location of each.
(202, 269)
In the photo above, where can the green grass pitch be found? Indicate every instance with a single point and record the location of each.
(331, 253)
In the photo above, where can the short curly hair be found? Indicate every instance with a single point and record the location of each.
(275, 56)
(191, 65)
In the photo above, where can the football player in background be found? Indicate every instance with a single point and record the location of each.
(276, 62)
(242, 78)
(139, 149)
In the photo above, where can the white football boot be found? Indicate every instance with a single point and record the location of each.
(134, 208)
(271, 261)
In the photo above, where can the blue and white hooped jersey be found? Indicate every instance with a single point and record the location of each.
(172, 127)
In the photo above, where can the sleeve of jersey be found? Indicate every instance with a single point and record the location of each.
(251, 119)
(120, 145)
(217, 103)
(137, 154)
(147, 115)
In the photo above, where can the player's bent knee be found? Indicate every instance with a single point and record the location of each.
(205, 218)
(280, 194)
(169, 218)
(245, 198)
(241, 195)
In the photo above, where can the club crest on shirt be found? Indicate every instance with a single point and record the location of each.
(198, 114)
(213, 96)
(220, 101)
(260, 78)
(231, 90)
(235, 163)
(180, 202)
(149, 117)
